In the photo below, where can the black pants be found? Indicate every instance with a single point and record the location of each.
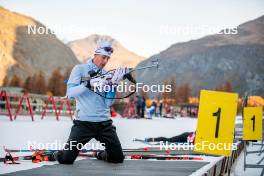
(138, 108)
(82, 132)
(182, 138)
(143, 112)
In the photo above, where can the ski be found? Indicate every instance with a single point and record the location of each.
(149, 150)
(145, 142)
(132, 157)
(83, 150)
(145, 149)
(17, 158)
(140, 153)
(159, 157)
(150, 156)
(155, 143)
(49, 150)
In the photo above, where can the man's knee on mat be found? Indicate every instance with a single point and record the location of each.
(116, 158)
(63, 160)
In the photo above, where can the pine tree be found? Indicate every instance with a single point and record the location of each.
(165, 95)
(65, 77)
(187, 92)
(15, 81)
(40, 83)
(183, 93)
(173, 93)
(56, 83)
(34, 88)
(28, 84)
(5, 81)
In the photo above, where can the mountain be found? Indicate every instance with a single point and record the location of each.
(212, 60)
(23, 53)
(84, 48)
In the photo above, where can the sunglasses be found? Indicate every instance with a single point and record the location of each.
(108, 49)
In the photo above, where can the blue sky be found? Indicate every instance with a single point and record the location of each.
(138, 25)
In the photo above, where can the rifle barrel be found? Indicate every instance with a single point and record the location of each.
(130, 71)
(142, 68)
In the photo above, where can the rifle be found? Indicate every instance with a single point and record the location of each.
(93, 74)
(128, 76)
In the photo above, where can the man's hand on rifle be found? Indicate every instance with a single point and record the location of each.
(108, 79)
(119, 74)
(96, 82)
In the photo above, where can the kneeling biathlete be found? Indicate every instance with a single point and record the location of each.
(92, 118)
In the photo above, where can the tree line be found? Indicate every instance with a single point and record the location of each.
(182, 93)
(54, 85)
